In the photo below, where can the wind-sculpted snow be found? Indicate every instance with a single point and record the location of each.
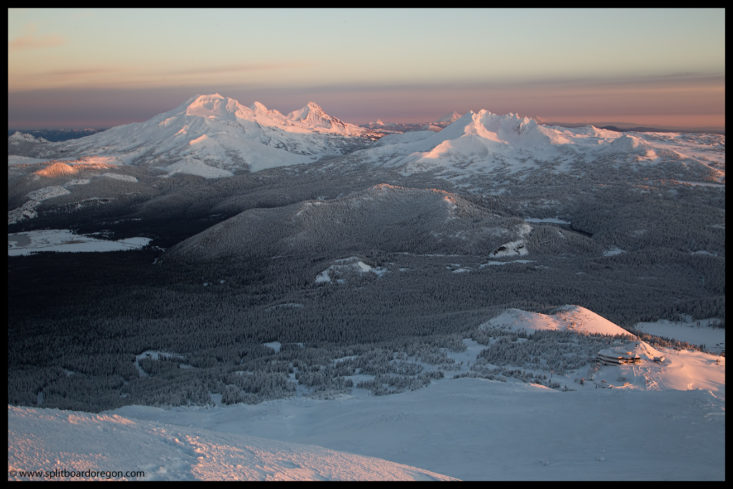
(50, 444)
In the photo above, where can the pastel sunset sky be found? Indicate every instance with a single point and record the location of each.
(102, 67)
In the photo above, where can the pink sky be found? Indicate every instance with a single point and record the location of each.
(104, 67)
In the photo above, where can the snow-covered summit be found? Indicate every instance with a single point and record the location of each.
(213, 136)
(309, 118)
(475, 142)
(211, 106)
(449, 118)
(311, 111)
(315, 118)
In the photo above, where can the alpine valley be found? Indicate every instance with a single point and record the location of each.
(480, 297)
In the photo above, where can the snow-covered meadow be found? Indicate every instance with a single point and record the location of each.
(66, 241)
(701, 332)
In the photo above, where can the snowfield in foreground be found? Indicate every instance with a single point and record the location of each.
(113, 447)
(653, 421)
(471, 429)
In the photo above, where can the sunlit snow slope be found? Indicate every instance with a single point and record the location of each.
(51, 440)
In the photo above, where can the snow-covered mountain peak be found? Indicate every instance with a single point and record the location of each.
(259, 107)
(212, 106)
(213, 136)
(452, 117)
(311, 118)
(314, 118)
(203, 98)
(631, 145)
(480, 142)
(507, 123)
(314, 108)
(311, 111)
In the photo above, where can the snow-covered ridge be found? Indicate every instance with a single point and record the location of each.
(24, 137)
(384, 216)
(35, 198)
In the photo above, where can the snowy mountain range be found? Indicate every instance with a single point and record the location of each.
(483, 143)
(215, 136)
